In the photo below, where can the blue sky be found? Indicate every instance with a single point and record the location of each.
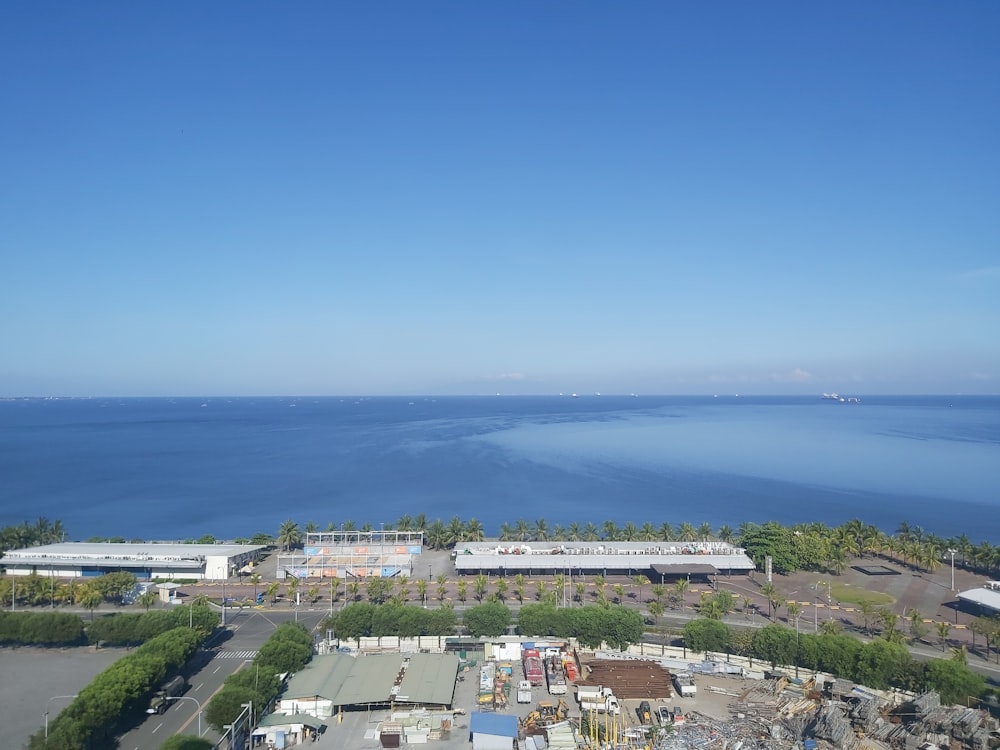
(432, 198)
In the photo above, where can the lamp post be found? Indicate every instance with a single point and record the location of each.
(54, 697)
(952, 553)
(188, 698)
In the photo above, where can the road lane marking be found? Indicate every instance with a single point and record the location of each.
(157, 728)
(217, 668)
(200, 686)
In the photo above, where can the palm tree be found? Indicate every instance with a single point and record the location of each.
(558, 533)
(422, 590)
(638, 580)
(573, 533)
(474, 531)
(501, 589)
(611, 532)
(648, 532)
(686, 532)
(482, 583)
(590, 532)
(288, 535)
(868, 612)
(463, 589)
(519, 585)
(521, 530)
(455, 533)
(705, 532)
(681, 586)
(147, 599)
(581, 589)
(656, 609)
(666, 532)
(541, 532)
(89, 598)
(506, 532)
(436, 535)
(630, 532)
(311, 527)
(255, 579)
(540, 585)
(726, 534)
(405, 523)
(770, 592)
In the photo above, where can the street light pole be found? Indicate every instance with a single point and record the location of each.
(952, 553)
(54, 697)
(188, 698)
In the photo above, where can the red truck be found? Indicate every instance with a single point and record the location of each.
(534, 672)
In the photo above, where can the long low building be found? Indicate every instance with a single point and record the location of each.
(602, 558)
(334, 682)
(147, 561)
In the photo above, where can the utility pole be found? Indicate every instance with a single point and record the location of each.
(952, 553)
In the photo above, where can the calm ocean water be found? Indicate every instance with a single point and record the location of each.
(179, 468)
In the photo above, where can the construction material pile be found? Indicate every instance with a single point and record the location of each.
(630, 679)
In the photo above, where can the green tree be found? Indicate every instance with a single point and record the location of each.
(89, 597)
(943, 630)
(226, 705)
(706, 635)
(289, 535)
(954, 681)
(490, 619)
(481, 585)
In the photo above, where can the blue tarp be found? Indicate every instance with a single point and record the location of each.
(500, 725)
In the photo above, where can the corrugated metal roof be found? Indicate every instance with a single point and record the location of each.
(322, 677)
(431, 677)
(984, 597)
(347, 680)
(371, 680)
(571, 562)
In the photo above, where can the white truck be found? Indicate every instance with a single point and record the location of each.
(592, 692)
(684, 682)
(524, 691)
(607, 704)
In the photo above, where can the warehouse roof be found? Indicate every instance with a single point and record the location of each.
(345, 680)
(175, 555)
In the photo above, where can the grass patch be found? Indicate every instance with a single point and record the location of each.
(847, 594)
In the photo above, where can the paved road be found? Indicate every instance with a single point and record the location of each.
(248, 630)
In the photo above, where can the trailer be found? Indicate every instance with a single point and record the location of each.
(684, 682)
(554, 676)
(533, 670)
(586, 693)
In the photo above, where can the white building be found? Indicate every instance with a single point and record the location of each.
(212, 562)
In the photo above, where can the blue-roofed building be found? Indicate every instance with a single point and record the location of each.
(493, 731)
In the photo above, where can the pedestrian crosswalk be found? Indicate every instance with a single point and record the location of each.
(223, 654)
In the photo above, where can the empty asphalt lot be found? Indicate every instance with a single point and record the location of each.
(33, 677)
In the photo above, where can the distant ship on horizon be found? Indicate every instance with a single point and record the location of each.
(837, 397)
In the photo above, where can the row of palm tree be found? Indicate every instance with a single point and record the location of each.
(26, 534)
(836, 545)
